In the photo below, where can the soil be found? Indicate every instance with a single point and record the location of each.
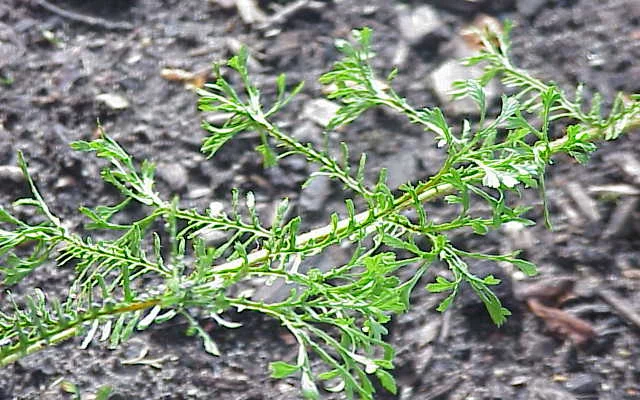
(54, 67)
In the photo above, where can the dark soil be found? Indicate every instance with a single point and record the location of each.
(53, 67)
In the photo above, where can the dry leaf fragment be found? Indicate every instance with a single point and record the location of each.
(555, 291)
(481, 25)
(562, 323)
(190, 79)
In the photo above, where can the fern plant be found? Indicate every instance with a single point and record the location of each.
(159, 267)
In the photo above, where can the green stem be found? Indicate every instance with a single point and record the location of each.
(71, 329)
(363, 220)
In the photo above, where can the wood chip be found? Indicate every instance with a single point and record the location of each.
(618, 222)
(631, 273)
(616, 189)
(250, 12)
(587, 206)
(573, 217)
(621, 305)
(629, 164)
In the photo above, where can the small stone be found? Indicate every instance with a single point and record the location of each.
(199, 193)
(280, 178)
(295, 163)
(64, 182)
(369, 9)
(134, 349)
(401, 55)
(315, 194)
(419, 23)
(213, 237)
(320, 111)
(11, 173)
(543, 389)
(519, 380)
(401, 168)
(175, 175)
(48, 367)
(113, 101)
(583, 384)
(307, 132)
(499, 372)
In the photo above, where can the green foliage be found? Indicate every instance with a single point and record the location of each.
(69, 387)
(156, 268)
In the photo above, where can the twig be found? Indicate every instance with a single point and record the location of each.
(283, 14)
(446, 327)
(620, 217)
(621, 306)
(443, 389)
(85, 19)
(629, 164)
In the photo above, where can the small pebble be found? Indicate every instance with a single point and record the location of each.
(320, 111)
(11, 173)
(307, 132)
(583, 384)
(315, 194)
(175, 175)
(402, 167)
(199, 192)
(419, 23)
(519, 380)
(113, 101)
